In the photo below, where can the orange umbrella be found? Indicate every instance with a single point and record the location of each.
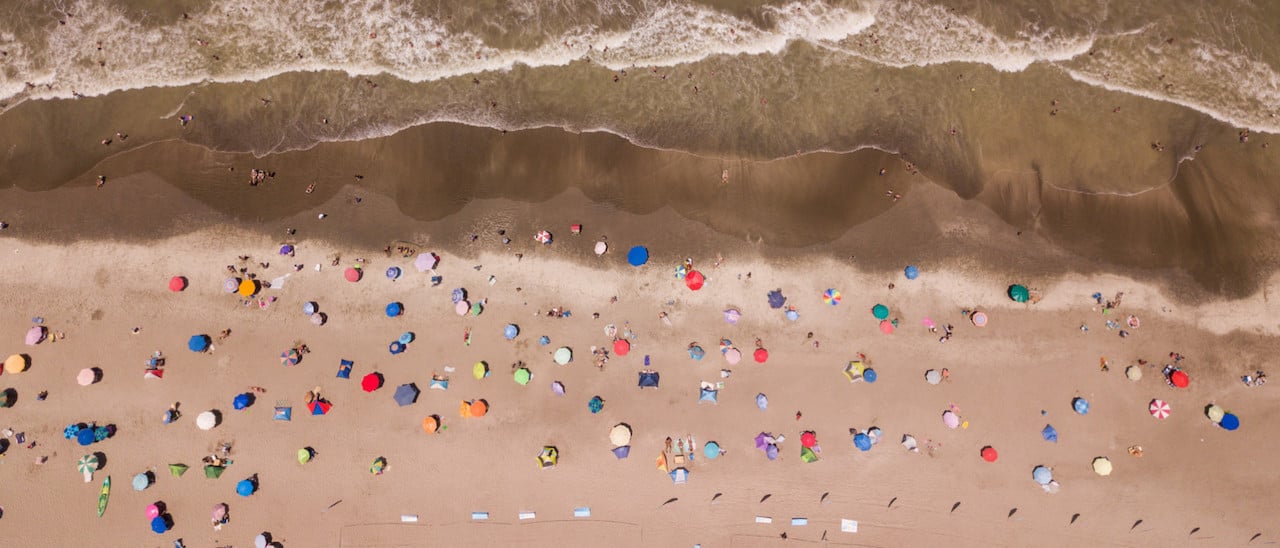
(430, 424)
(479, 408)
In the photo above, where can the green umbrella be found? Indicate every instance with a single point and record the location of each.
(476, 309)
(304, 455)
(213, 472)
(522, 376)
(1019, 293)
(880, 311)
(87, 464)
(177, 470)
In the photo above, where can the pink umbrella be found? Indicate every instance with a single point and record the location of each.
(153, 511)
(542, 237)
(425, 262)
(950, 419)
(86, 377)
(462, 308)
(352, 274)
(1159, 409)
(733, 356)
(886, 327)
(219, 511)
(35, 335)
(978, 318)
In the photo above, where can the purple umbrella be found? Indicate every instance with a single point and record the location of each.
(622, 452)
(557, 387)
(763, 439)
(732, 316)
(771, 451)
(425, 262)
(35, 335)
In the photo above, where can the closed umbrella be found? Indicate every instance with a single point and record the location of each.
(880, 311)
(1102, 466)
(1042, 475)
(1080, 405)
(1159, 409)
(620, 434)
(694, 280)
(34, 335)
(563, 355)
(86, 377)
(206, 420)
(950, 419)
(141, 481)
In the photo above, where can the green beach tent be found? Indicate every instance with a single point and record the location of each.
(213, 472)
(177, 470)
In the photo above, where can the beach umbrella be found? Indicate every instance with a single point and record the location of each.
(542, 237)
(371, 382)
(600, 248)
(152, 511)
(807, 455)
(425, 261)
(406, 394)
(622, 452)
(206, 420)
(1019, 293)
(290, 357)
(979, 319)
(950, 419)
(563, 355)
(86, 377)
(1042, 475)
(177, 283)
(1229, 422)
(776, 299)
(461, 308)
(595, 404)
(245, 487)
(510, 331)
(808, 439)
(479, 408)
(476, 308)
(430, 424)
(911, 272)
(732, 316)
(406, 337)
(219, 512)
(792, 315)
(304, 455)
(1215, 413)
(34, 335)
(544, 340)
(352, 274)
(1080, 405)
(260, 541)
(862, 441)
(620, 434)
(310, 308)
(393, 273)
(70, 431)
(319, 406)
(459, 294)
(86, 465)
(694, 280)
(932, 376)
(870, 375)
(379, 466)
(1179, 378)
(763, 439)
(198, 343)
(286, 249)
(760, 355)
(711, 450)
(230, 285)
(141, 481)
(621, 347)
(241, 401)
(548, 457)
(1159, 409)
(248, 288)
(831, 297)
(638, 255)
(522, 376)
(880, 311)
(771, 451)
(395, 347)
(762, 401)
(1049, 433)
(886, 327)
(394, 309)
(480, 370)
(1133, 372)
(213, 472)
(101, 433)
(1102, 466)
(159, 525)
(177, 470)
(696, 352)
(989, 454)
(85, 437)
(733, 356)
(557, 388)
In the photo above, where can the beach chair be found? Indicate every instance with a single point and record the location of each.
(344, 369)
(439, 383)
(283, 412)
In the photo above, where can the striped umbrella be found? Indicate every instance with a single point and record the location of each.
(831, 297)
(1159, 409)
(87, 464)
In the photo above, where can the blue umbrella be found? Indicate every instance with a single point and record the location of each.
(638, 255)
(242, 401)
(622, 452)
(544, 340)
(198, 343)
(793, 315)
(776, 300)
(159, 525)
(1081, 405)
(85, 436)
(862, 441)
(406, 394)
(510, 331)
(393, 273)
(869, 375)
(458, 295)
(141, 481)
(309, 308)
(286, 249)
(771, 451)
(911, 272)
(711, 450)
(1042, 475)
(396, 347)
(1049, 433)
(696, 352)
(394, 309)
(245, 488)
(595, 405)
(406, 337)
(762, 401)
(1229, 422)
(70, 431)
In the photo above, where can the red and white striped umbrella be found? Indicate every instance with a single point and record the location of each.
(543, 237)
(1159, 409)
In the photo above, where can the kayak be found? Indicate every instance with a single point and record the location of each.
(102, 498)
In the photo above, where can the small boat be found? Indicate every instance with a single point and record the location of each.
(102, 498)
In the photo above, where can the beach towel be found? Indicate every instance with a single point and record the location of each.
(344, 369)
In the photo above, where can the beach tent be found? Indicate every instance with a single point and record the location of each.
(394, 309)
(680, 476)
(1049, 433)
(862, 441)
(425, 261)
(620, 434)
(762, 401)
(245, 487)
(283, 413)
(777, 299)
(1019, 293)
(213, 472)
(242, 401)
(431, 424)
(1080, 405)
(352, 274)
(696, 352)
(621, 347)
(198, 343)
(989, 454)
(1102, 466)
(708, 394)
(595, 404)
(1042, 475)
(371, 382)
(480, 370)
(522, 376)
(563, 355)
(290, 357)
(832, 297)
(648, 379)
(34, 335)
(911, 272)
(711, 450)
(694, 280)
(319, 406)
(1229, 422)
(549, 457)
(177, 283)
(880, 311)
(177, 470)
(438, 383)
(206, 420)
(406, 394)
(622, 452)
(510, 331)
(638, 255)
(807, 455)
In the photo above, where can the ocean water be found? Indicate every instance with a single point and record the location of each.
(1112, 128)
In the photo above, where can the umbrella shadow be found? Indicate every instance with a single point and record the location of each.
(102, 460)
(217, 417)
(97, 374)
(4, 445)
(160, 505)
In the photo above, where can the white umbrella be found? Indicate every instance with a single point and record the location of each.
(620, 435)
(563, 355)
(260, 541)
(86, 377)
(601, 247)
(1102, 466)
(206, 420)
(933, 376)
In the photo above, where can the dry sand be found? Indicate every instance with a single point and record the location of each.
(1194, 476)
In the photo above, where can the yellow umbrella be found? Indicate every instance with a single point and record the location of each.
(16, 363)
(1133, 372)
(1102, 466)
(1214, 412)
(480, 370)
(248, 288)
(304, 455)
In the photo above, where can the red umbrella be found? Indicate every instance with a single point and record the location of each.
(694, 280)
(621, 347)
(761, 355)
(989, 454)
(1179, 378)
(808, 439)
(319, 406)
(177, 283)
(371, 382)
(886, 327)
(1159, 409)
(352, 274)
